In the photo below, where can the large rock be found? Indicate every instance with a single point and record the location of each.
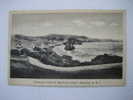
(105, 59)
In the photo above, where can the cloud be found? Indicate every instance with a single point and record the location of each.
(97, 23)
(46, 24)
(114, 24)
(79, 22)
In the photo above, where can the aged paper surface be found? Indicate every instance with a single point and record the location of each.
(67, 48)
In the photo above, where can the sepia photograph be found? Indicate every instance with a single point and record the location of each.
(67, 48)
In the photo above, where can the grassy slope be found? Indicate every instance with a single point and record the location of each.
(22, 69)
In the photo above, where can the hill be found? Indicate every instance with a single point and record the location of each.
(57, 37)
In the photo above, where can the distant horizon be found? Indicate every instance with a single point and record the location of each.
(64, 34)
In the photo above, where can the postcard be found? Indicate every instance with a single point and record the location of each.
(67, 48)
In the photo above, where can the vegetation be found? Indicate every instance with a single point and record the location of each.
(49, 57)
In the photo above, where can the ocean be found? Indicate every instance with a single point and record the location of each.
(89, 50)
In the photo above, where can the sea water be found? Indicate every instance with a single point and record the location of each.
(89, 50)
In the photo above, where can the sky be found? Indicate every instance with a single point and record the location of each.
(94, 25)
